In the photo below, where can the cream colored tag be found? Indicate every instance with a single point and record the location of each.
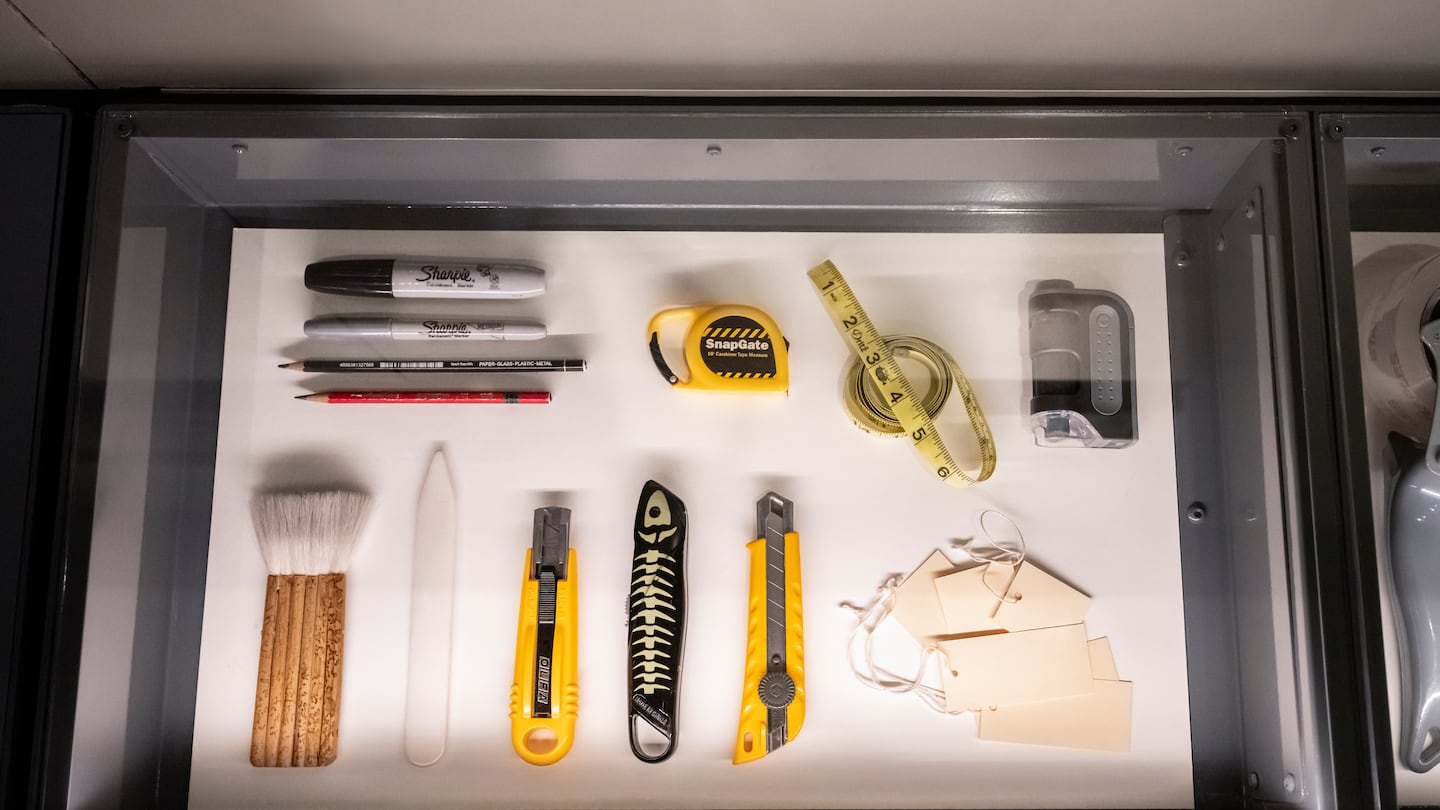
(917, 607)
(1102, 660)
(1009, 668)
(998, 577)
(966, 602)
(1099, 720)
(1036, 599)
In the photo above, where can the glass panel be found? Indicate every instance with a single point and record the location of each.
(688, 172)
(1187, 541)
(1395, 250)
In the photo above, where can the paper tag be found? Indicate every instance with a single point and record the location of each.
(1102, 660)
(966, 602)
(1099, 720)
(1036, 599)
(1010, 668)
(917, 607)
(998, 577)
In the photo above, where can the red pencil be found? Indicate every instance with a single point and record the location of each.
(429, 397)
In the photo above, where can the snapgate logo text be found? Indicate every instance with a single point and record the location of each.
(746, 345)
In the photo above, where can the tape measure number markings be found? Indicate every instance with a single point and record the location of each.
(878, 358)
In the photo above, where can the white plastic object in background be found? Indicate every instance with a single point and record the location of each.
(1396, 290)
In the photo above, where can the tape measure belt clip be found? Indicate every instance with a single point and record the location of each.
(659, 358)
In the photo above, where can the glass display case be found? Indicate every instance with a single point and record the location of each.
(1207, 545)
(1378, 175)
(36, 191)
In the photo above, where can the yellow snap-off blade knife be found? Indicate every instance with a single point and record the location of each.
(545, 696)
(772, 706)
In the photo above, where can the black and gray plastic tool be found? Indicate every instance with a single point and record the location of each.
(1082, 363)
(657, 622)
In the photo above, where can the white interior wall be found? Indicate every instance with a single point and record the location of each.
(1291, 46)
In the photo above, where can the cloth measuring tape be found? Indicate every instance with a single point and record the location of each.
(881, 399)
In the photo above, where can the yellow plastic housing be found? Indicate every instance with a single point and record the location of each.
(702, 377)
(750, 740)
(545, 740)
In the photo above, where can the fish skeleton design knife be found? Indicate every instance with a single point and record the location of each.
(657, 620)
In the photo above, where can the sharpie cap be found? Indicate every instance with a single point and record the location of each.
(347, 327)
(351, 276)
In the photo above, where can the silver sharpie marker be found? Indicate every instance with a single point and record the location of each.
(425, 278)
(429, 329)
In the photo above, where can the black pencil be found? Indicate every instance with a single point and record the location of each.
(483, 366)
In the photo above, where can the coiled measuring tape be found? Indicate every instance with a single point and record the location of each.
(882, 400)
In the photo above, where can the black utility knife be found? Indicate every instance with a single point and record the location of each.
(657, 619)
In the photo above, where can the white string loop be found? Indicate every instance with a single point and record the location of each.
(1002, 547)
(869, 617)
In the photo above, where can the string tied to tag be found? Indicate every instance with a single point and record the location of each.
(1003, 544)
(867, 618)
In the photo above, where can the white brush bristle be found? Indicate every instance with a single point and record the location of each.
(308, 532)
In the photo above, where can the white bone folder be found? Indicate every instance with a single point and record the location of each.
(432, 601)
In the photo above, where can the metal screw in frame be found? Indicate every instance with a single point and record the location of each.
(1195, 512)
(1181, 257)
(125, 127)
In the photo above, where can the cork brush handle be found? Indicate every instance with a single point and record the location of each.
(312, 678)
(297, 686)
(280, 634)
(332, 600)
(293, 632)
(261, 725)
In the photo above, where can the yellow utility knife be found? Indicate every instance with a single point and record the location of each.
(772, 706)
(545, 696)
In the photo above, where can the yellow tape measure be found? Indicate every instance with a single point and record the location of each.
(883, 372)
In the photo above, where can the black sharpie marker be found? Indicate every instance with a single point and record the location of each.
(425, 278)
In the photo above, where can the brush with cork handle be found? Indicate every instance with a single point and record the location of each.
(307, 539)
